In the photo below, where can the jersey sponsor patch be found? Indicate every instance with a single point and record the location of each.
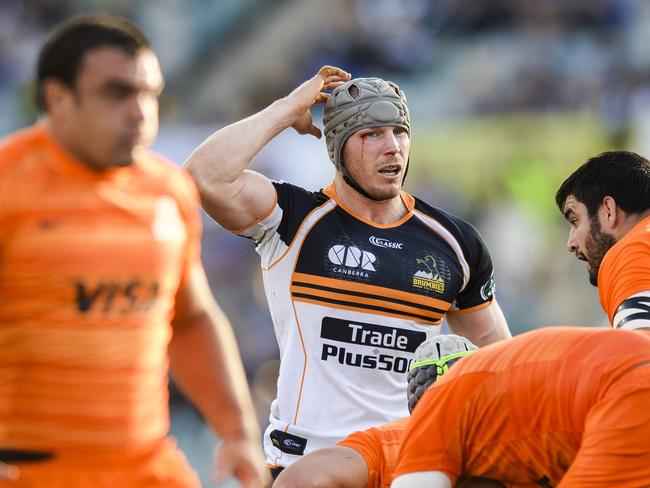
(385, 243)
(288, 443)
(487, 290)
(429, 276)
(350, 260)
(373, 337)
(116, 297)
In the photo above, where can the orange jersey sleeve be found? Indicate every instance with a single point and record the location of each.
(90, 264)
(515, 411)
(379, 447)
(625, 269)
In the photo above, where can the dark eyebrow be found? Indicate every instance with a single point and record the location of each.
(118, 84)
(114, 83)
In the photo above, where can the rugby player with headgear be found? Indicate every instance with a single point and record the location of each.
(358, 274)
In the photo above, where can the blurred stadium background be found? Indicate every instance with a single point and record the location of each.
(507, 97)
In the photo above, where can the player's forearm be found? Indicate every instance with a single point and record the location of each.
(330, 467)
(482, 327)
(205, 361)
(222, 158)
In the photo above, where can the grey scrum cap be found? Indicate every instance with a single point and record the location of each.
(358, 104)
(432, 359)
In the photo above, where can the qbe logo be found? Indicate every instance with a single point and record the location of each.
(357, 260)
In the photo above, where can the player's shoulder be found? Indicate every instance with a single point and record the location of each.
(398, 425)
(157, 165)
(289, 190)
(454, 224)
(162, 173)
(18, 147)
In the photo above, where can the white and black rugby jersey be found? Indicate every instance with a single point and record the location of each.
(350, 302)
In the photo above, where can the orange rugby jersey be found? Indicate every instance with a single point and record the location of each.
(89, 267)
(624, 272)
(379, 446)
(515, 411)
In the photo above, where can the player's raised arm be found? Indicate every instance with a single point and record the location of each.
(230, 193)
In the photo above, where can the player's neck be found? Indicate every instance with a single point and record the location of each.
(631, 221)
(381, 212)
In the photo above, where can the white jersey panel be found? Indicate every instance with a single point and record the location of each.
(350, 303)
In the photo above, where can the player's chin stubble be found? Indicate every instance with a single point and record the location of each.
(597, 246)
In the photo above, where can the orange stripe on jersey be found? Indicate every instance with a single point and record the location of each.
(413, 299)
(471, 309)
(371, 304)
(297, 233)
(351, 307)
(408, 200)
(304, 366)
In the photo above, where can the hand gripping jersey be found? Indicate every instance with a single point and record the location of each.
(624, 279)
(351, 301)
(89, 267)
(559, 406)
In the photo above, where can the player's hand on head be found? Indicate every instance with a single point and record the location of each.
(312, 92)
(332, 77)
(241, 458)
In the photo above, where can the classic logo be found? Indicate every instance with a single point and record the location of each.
(381, 242)
(430, 278)
(355, 261)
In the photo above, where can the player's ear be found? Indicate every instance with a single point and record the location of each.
(55, 95)
(609, 213)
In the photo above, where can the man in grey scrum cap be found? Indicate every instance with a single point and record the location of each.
(358, 274)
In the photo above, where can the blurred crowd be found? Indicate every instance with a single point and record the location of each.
(507, 98)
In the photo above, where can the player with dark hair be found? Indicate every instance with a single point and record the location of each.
(555, 407)
(101, 283)
(607, 204)
(367, 459)
(356, 275)
(63, 54)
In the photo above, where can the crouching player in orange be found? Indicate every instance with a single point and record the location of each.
(556, 407)
(102, 287)
(367, 458)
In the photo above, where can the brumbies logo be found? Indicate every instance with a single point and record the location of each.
(429, 279)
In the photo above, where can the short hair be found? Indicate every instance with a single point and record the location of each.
(622, 175)
(62, 55)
